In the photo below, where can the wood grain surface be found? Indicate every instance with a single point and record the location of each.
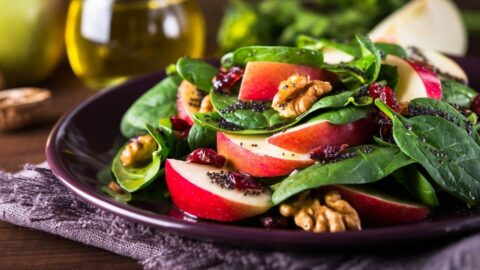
(22, 248)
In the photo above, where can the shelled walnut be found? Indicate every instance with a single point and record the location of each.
(297, 94)
(336, 215)
(138, 151)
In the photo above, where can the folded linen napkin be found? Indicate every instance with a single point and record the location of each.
(34, 198)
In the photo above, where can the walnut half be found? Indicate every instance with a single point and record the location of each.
(336, 215)
(297, 94)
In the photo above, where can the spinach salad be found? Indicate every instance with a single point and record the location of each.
(287, 135)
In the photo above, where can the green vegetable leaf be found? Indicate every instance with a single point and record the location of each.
(202, 137)
(344, 116)
(320, 44)
(291, 55)
(196, 72)
(156, 103)
(134, 178)
(417, 184)
(364, 167)
(446, 151)
(456, 93)
(393, 49)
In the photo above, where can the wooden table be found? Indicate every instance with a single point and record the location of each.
(21, 248)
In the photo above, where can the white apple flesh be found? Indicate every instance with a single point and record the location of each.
(193, 192)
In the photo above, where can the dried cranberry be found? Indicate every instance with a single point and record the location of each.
(273, 222)
(476, 105)
(385, 94)
(206, 156)
(384, 127)
(225, 80)
(180, 126)
(243, 181)
(327, 153)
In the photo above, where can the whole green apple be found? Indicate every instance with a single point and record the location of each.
(31, 39)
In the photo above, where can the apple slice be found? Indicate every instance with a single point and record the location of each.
(261, 79)
(444, 64)
(189, 99)
(253, 155)
(306, 137)
(428, 24)
(194, 192)
(415, 79)
(375, 208)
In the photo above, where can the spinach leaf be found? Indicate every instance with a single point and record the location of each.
(201, 137)
(344, 115)
(393, 49)
(456, 93)
(320, 44)
(246, 118)
(134, 178)
(291, 55)
(196, 72)
(177, 146)
(364, 167)
(214, 120)
(388, 74)
(447, 152)
(362, 70)
(417, 184)
(156, 103)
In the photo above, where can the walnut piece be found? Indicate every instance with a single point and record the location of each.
(138, 151)
(297, 94)
(206, 105)
(336, 215)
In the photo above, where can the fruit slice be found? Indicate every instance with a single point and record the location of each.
(189, 99)
(261, 79)
(306, 137)
(194, 192)
(444, 64)
(415, 80)
(375, 208)
(428, 24)
(254, 156)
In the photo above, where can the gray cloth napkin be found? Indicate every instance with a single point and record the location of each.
(34, 198)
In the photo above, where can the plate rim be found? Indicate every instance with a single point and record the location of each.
(233, 234)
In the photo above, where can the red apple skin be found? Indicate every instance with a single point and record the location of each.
(432, 83)
(204, 204)
(375, 211)
(186, 93)
(261, 79)
(256, 164)
(325, 133)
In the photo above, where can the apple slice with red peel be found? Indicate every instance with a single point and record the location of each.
(375, 208)
(415, 79)
(306, 137)
(189, 99)
(253, 155)
(261, 79)
(443, 64)
(194, 192)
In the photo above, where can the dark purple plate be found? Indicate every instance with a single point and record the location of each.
(81, 143)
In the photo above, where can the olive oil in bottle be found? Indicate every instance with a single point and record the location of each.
(109, 41)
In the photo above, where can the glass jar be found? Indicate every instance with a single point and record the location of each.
(109, 41)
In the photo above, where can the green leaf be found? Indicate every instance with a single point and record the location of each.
(364, 167)
(457, 93)
(202, 137)
(393, 49)
(290, 55)
(320, 44)
(447, 152)
(196, 72)
(344, 115)
(417, 184)
(135, 178)
(156, 103)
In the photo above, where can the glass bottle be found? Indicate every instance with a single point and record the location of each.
(109, 41)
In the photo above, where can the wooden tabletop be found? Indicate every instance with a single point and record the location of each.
(22, 248)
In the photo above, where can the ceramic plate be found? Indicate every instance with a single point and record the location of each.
(80, 146)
